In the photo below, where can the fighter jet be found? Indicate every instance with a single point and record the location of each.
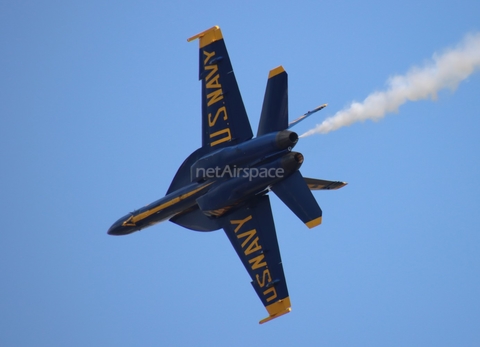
(224, 184)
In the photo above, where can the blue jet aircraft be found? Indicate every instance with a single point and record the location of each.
(224, 183)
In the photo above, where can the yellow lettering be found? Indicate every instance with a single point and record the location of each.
(273, 296)
(249, 234)
(221, 109)
(214, 97)
(256, 262)
(253, 247)
(213, 83)
(214, 69)
(240, 222)
(208, 56)
(224, 139)
(250, 245)
(266, 278)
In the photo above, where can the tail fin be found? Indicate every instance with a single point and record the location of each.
(274, 115)
(295, 193)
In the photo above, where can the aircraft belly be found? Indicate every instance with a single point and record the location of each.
(248, 183)
(224, 183)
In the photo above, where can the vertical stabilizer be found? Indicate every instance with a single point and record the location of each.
(274, 115)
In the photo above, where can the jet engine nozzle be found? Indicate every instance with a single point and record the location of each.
(286, 139)
(292, 161)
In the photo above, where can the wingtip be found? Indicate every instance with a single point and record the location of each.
(277, 309)
(208, 36)
(269, 318)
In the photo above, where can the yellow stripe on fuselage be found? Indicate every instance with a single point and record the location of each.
(169, 203)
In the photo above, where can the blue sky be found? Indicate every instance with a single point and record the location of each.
(100, 104)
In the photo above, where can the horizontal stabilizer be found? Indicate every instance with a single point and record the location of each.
(295, 193)
(316, 184)
(304, 116)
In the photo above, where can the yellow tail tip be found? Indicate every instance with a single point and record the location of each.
(314, 222)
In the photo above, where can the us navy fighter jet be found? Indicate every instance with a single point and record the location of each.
(224, 183)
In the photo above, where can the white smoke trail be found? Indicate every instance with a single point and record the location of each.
(446, 70)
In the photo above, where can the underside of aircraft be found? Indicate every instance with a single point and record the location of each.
(224, 184)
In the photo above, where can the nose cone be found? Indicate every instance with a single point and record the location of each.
(115, 229)
(118, 228)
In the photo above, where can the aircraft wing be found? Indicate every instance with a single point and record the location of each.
(316, 184)
(224, 119)
(251, 231)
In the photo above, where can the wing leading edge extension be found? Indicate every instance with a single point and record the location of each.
(251, 231)
(224, 119)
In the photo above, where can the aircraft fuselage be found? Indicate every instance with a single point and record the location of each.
(222, 180)
(160, 210)
(224, 183)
